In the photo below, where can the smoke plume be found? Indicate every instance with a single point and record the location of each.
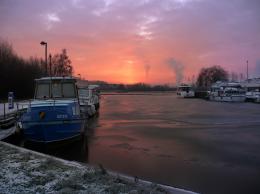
(177, 67)
(147, 68)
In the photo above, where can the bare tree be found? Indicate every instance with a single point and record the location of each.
(61, 64)
(210, 75)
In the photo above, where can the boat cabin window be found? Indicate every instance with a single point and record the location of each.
(56, 90)
(43, 90)
(83, 92)
(253, 89)
(68, 90)
(185, 89)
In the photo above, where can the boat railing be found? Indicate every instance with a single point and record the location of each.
(14, 113)
(22, 106)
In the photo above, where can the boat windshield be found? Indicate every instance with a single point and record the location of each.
(185, 89)
(43, 90)
(57, 90)
(68, 90)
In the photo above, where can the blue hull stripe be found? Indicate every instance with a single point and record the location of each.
(53, 141)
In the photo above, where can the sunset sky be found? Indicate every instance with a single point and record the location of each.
(128, 41)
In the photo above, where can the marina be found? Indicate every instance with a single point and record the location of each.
(172, 144)
(129, 97)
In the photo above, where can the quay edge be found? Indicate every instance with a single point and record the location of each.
(74, 168)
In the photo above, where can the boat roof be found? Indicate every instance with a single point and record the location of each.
(93, 86)
(184, 86)
(49, 79)
(225, 84)
(254, 82)
(88, 87)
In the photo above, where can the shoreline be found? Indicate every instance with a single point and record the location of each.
(25, 171)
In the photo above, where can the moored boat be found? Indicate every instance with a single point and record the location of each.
(185, 91)
(227, 92)
(54, 114)
(89, 99)
(252, 87)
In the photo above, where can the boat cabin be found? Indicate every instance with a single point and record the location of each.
(55, 87)
(252, 87)
(227, 92)
(185, 91)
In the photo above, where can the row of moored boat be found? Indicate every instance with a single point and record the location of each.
(248, 90)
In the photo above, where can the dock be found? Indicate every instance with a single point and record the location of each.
(7, 124)
(27, 171)
(8, 118)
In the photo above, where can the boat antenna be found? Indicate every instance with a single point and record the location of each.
(247, 70)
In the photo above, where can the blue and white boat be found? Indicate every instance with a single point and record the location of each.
(54, 114)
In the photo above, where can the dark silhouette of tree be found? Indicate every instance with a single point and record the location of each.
(17, 74)
(210, 75)
(61, 64)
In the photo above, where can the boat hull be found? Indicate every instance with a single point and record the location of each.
(52, 121)
(52, 131)
(253, 96)
(189, 94)
(228, 98)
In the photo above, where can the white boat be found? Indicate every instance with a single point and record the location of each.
(185, 91)
(227, 92)
(252, 87)
(89, 99)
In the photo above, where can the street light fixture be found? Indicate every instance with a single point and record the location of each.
(46, 63)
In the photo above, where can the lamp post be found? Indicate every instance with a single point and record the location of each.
(50, 57)
(46, 63)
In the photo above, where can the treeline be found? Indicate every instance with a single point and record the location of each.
(17, 74)
(138, 87)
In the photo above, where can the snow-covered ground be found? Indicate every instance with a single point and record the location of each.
(26, 171)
